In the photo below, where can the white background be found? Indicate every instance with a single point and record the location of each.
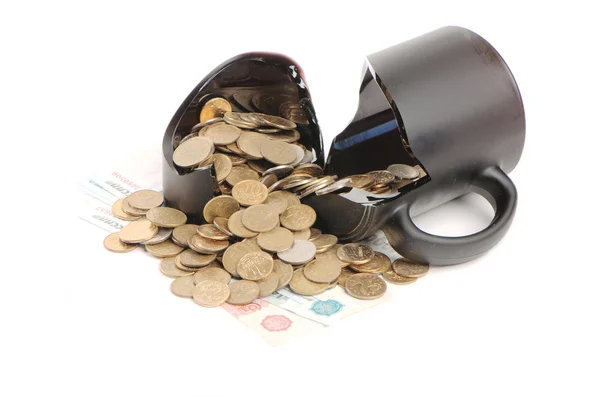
(86, 84)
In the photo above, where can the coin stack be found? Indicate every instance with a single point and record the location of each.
(259, 237)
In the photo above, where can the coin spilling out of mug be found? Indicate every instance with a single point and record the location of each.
(247, 146)
(259, 237)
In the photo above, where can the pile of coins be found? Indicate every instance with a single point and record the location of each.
(259, 237)
(254, 244)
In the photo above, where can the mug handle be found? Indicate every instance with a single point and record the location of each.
(415, 244)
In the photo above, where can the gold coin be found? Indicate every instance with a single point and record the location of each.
(278, 239)
(316, 183)
(234, 253)
(236, 226)
(355, 253)
(361, 181)
(235, 159)
(324, 242)
(235, 149)
(273, 121)
(221, 224)
(289, 198)
(210, 293)
(260, 166)
(314, 233)
(225, 189)
(280, 153)
(302, 234)
(407, 268)
(260, 218)
(243, 292)
(392, 277)
(240, 173)
(382, 177)
(193, 259)
(337, 185)
(268, 180)
(298, 217)
(322, 271)
(114, 244)
(235, 118)
(212, 273)
(268, 285)
(346, 272)
(249, 192)
(182, 234)
(255, 266)
(284, 272)
(278, 204)
(205, 245)
(212, 232)
(145, 199)
(223, 166)
(164, 249)
(303, 286)
(365, 286)
(310, 169)
(250, 143)
(222, 206)
(193, 152)
(285, 136)
(128, 209)
(379, 264)
(168, 268)
(183, 267)
(183, 287)
(331, 256)
(117, 211)
(138, 231)
(280, 171)
(166, 217)
(164, 233)
(222, 134)
(298, 182)
(216, 107)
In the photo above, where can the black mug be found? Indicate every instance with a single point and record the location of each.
(445, 103)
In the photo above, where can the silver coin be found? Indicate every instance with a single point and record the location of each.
(299, 155)
(299, 184)
(164, 233)
(268, 180)
(189, 136)
(326, 181)
(280, 171)
(308, 157)
(342, 183)
(303, 251)
(403, 171)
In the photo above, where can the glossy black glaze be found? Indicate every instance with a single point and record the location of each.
(259, 82)
(447, 101)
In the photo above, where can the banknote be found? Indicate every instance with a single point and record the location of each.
(325, 308)
(99, 214)
(94, 189)
(272, 323)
